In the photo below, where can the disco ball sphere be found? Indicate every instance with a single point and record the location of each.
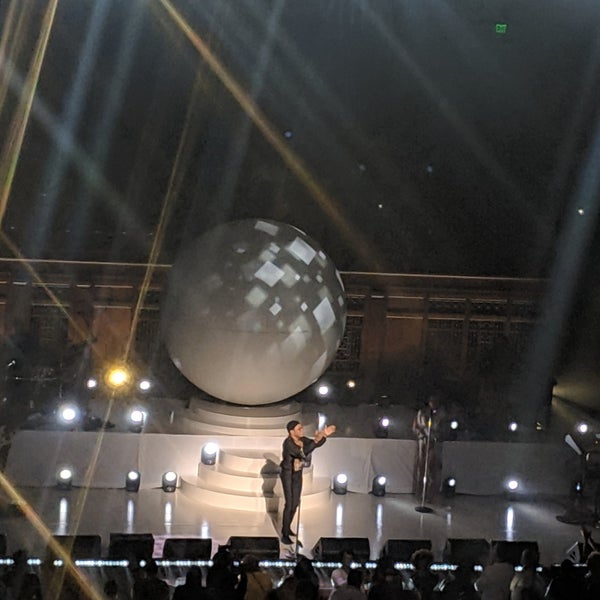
(254, 313)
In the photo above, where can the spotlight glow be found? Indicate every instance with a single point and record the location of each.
(91, 383)
(452, 482)
(381, 480)
(384, 422)
(133, 475)
(68, 414)
(323, 390)
(513, 485)
(137, 416)
(170, 476)
(351, 384)
(513, 426)
(582, 427)
(211, 448)
(65, 474)
(117, 377)
(342, 478)
(145, 385)
(454, 424)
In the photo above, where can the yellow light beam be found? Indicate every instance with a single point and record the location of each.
(32, 516)
(358, 243)
(14, 141)
(173, 189)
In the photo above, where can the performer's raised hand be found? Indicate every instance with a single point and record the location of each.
(329, 430)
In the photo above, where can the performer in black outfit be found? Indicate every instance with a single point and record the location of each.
(295, 450)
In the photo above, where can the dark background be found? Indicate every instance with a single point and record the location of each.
(409, 136)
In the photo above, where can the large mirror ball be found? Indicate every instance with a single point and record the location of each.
(254, 313)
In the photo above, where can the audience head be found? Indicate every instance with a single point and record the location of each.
(222, 558)
(306, 590)
(250, 563)
(422, 559)
(355, 578)
(346, 557)
(593, 563)
(529, 558)
(304, 568)
(193, 577)
(151, 568)
(500, 552)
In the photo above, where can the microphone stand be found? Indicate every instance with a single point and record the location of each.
(422, 508)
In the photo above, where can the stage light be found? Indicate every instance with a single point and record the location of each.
(351, 384)
(381, 430)
(582, 427)
(145, 385)
(68, 414)
(513, 426)
(209, 453)
(449, 487)
(454, 424)
(512, 485)
(132, 481)
(323, 390)
(91, 383)
(117, 377)
(378, 487)
(169, 481)
(137, 420)
(340, 484)
(64, 478)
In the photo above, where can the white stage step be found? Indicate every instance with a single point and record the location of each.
(218, 476)
(313, 494)
(250, 461)
(215, 418)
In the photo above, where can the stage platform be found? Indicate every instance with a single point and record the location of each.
(240, 496)
(105, 511)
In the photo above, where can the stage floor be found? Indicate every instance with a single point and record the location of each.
(105, 511)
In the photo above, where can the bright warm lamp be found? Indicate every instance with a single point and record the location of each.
(117, 377)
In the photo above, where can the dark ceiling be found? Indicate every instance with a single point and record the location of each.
(441, 136)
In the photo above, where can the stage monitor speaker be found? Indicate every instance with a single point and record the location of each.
(511, 551)
(131, 546)
(466, 551)
(402, 550)
(264, 548)
(330, 549)
(77, 547)
(187, 549)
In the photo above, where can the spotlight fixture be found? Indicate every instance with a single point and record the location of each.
(68, 414)
(583, 427)
(512, 485)
(117, 377)
(169, 481)
(145, 385)
(209, 453)
(378, 487)
(449, 487)
(64, 478)
(513, 426)
(91, 383)
(132, 481)
(137, 419)
(340, 484)
(323, 390)
(381, 430)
